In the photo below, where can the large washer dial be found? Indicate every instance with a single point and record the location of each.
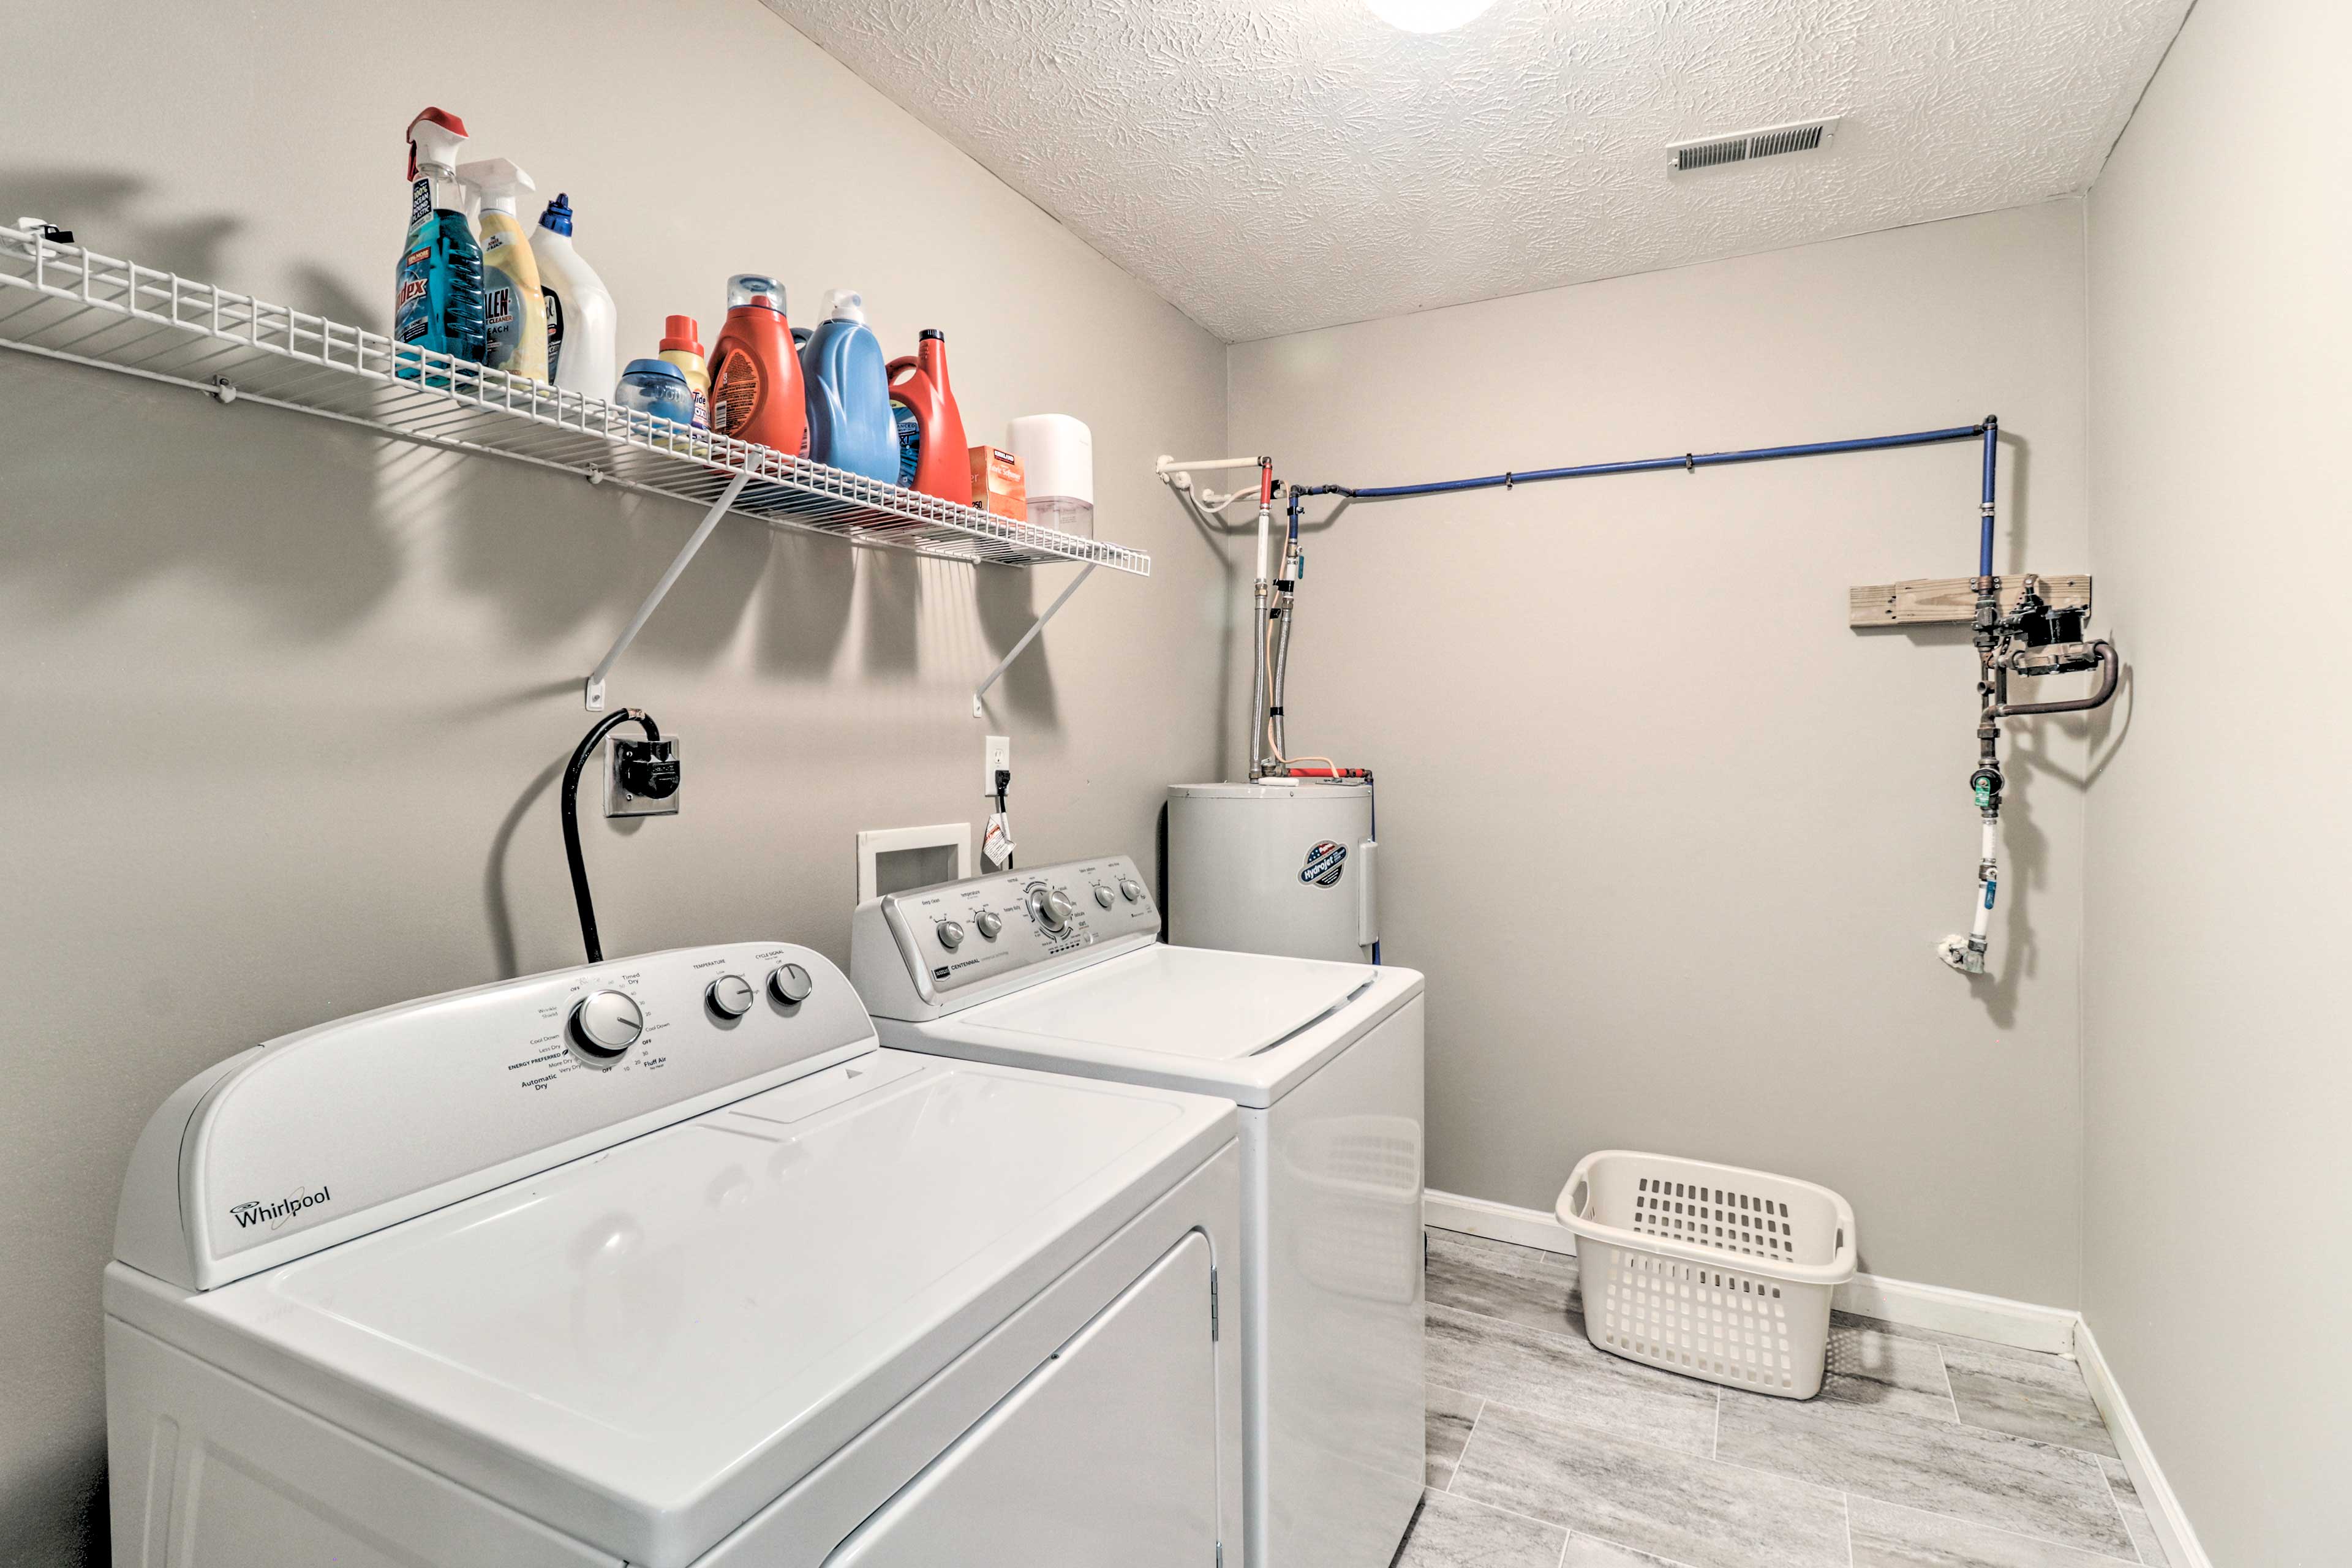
(730, 995)
(1051, 906)
(789, 984)
(606, 1024)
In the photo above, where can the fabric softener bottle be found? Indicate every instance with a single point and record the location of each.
(438, 299)
(852, 424)
(933, 456)
(755, 377)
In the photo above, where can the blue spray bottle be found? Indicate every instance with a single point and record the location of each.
(437, 305)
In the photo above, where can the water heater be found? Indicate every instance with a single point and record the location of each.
(1282, 866)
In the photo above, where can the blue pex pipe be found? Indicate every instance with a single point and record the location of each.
(1992, 458)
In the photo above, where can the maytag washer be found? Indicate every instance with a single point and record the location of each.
(664, 1261)
(1062, 969)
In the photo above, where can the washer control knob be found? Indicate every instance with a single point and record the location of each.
(1130, 890)
(1102, 895)
(606, 1024)
(731, 995)
(990, 923)
(951, 934)
(789, 984)
(1050, 906)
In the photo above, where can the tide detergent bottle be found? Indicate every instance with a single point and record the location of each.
(755, 377)
(933, 456)
(437, 303)
(851, 423)
(514, 311)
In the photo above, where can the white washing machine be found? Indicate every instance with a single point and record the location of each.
(1062, 969)
(664, 1261)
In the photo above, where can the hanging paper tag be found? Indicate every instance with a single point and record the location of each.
(996, 844)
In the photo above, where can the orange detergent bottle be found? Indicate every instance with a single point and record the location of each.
(755, 377)
(933, 456)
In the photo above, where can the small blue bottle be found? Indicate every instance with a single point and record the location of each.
(437, 302)
(850, 422)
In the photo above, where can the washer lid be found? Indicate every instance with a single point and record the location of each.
(645, 1347)
(1191, 1001)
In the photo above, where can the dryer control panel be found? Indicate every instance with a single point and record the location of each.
(931, 950)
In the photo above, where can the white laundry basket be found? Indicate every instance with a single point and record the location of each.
(1712, 1271)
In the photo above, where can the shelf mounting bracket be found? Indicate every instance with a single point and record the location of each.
(1026, 638)
(595, 693)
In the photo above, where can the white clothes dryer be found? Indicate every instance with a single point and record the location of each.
(664, 1261)
(1061, 969)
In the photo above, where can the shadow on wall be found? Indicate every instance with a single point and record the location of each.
(57, 1518)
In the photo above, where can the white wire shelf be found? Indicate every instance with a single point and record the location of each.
(63, 301)
(67, 302)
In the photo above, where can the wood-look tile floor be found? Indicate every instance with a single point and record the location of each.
(1924, 1450)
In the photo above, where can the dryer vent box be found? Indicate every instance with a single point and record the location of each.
(1748, 146)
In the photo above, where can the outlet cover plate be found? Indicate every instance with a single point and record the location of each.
(618, 800)
(999, 754)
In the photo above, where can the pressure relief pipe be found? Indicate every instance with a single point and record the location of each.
(1261, 661)
(570, 806)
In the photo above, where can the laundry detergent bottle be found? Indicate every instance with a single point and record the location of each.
(681, 345)
(582, 347)
(852, 424)
(514, 313)
(755, 377)
(933, 456)
(437, 290)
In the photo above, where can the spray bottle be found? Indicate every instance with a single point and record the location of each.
(582, 352)
(514, 313)
(437, 294)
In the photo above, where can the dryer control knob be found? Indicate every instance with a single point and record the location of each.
(731, 995)
(1130, 890)
(989, 923)
(951, 935)
(791, 984)
(606, 1024)
(1102, 896)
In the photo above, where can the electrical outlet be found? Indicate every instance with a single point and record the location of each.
(642, 777)
(999, 754)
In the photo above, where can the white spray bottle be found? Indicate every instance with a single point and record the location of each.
(514, 314)
(582, 352)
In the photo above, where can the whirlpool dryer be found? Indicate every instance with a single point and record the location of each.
(1061, 970)
(663, 1261)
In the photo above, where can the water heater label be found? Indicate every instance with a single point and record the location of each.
(1326, 863)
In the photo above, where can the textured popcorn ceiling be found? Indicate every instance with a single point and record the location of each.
(1273, 166)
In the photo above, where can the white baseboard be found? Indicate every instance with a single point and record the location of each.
(1995, 1317)
(2181, 1547)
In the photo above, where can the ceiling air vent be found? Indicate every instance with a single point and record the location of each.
(1804, 136)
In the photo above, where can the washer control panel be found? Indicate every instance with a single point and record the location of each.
(947, 944)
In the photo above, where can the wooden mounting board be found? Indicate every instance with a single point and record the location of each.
(1952, 601)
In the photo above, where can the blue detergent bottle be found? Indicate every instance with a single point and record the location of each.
(849, 419)
(438, 302)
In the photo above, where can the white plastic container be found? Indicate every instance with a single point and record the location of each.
(1058, 467)
(1711, 1271)
(583, 347)
(1282, 865)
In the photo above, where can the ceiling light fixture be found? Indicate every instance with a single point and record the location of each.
(1428, 15)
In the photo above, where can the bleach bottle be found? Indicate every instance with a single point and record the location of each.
(932, 455)
(851, 424)
(582, 348)
(514, 311)
(437, 303)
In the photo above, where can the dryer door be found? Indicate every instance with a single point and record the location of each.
(1106, 1454)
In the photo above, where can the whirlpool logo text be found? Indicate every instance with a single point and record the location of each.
(275, 1214)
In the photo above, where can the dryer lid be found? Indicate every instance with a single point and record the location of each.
(1190, 1001)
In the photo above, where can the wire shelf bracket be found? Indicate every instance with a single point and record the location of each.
(65, 303)
(1026, 638)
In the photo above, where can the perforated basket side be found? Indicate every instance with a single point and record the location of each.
(1718, 1324)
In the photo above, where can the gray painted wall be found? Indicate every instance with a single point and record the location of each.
(291, 701)
(2218, 1076)
(1674, 844)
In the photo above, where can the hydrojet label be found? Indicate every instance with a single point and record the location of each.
(1326, 863)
